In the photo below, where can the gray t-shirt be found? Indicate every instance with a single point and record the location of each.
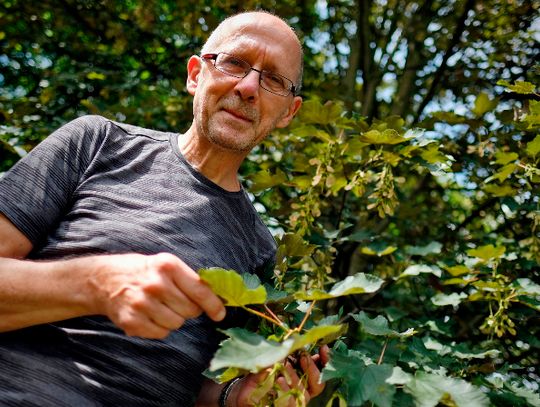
(97, 186)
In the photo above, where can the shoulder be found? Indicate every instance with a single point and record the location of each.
(99, 128)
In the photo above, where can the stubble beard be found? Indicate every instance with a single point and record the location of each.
(224, 136)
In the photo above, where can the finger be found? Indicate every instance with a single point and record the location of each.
(182, 305)
(324, 352)
(292, 380)
(313, 375)
(136, 324)
(295, 382)
(191, 285)
(282, 383)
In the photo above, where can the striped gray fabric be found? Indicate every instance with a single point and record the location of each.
(97, 186)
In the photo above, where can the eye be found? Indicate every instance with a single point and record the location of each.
(233, 62)
(275, 80)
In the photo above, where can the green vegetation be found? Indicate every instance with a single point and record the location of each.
(404, 197)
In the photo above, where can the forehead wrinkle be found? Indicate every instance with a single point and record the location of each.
(243, 44)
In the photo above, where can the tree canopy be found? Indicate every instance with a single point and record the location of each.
(414, 161)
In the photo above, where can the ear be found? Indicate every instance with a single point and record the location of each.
(290, 112)
(194, 69)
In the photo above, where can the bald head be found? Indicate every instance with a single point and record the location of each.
(278, 29)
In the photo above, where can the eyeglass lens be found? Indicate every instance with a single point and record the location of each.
(239, 68)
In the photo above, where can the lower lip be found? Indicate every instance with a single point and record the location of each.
(237, 117)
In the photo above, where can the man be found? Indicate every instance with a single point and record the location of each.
(123, 217)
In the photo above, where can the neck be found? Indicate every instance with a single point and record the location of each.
(216, 163)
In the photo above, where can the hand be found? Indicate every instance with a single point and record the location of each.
(309, 384)
(150, 296)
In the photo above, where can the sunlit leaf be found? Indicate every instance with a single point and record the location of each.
(378, 326)
(320, 333)
(428, 389)
(418, 269)
(358, 284)
(499, 190)
(431, 248)
(483, 104)
(487, 252)
(373, 250)
(265, 179)
(521, 87)
(502, 174)
(458, 270)
(292, 244)
(249, 351)
(454, 299)
(388, 136)
(533, 147)
(503, 158)
(231, 287)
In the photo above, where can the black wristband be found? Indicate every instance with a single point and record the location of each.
(222, 402)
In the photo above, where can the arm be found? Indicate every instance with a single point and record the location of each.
(145, 296)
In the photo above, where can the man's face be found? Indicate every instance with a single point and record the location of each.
(236, 113)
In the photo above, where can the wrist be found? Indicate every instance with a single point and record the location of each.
(228, 395)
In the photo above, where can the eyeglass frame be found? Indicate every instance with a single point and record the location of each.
(214, 56)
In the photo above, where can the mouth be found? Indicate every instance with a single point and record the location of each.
(238, 115)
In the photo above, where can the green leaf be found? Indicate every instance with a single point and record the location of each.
(378, 250)
(522, 87)
(361, 383)
(358, 284)
(388, 136)
(503, 158)
(533, 147)
(502, 174)
(487, 252)
(454, 299)
(499, 190)
(314, 112)
(265, 179)
(232, 288)
(431, 248)
(483, 104)
(458, 270)
(249, 351)
(311, 132)
(418, 269)
(317, 334)
(532, 397)
(292, 244)
(428, 389)
(378, 326)
(95, 76)
(399, 376)
(375, 386)
(527, 286)
(245, 350)
(433, 156)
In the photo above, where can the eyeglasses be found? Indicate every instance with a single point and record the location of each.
(268, 80)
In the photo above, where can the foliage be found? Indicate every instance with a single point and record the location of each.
(404, 197)
(415, 337)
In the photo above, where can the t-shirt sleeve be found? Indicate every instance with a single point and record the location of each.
(37, 190)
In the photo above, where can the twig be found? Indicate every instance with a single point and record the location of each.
(260, 314)
(281, 324)
(308, 313)
(382, 352)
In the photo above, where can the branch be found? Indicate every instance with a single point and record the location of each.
(456, 37)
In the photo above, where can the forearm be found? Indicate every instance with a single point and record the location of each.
(33, 292)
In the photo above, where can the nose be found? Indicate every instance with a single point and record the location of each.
(248, 87)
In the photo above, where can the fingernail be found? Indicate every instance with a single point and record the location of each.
(221, 314)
